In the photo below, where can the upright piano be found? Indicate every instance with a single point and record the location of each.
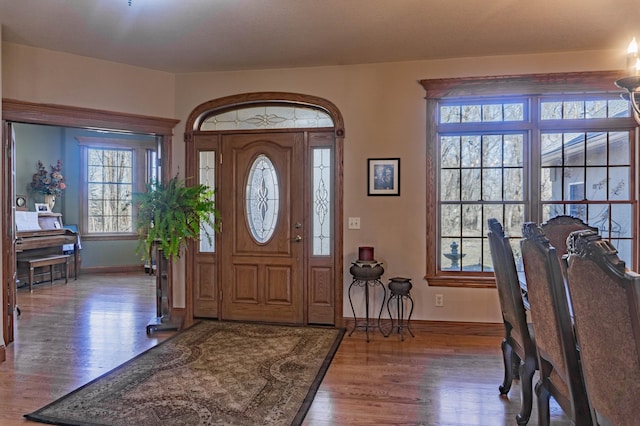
(44, 234)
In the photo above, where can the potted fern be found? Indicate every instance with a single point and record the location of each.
(170, 214)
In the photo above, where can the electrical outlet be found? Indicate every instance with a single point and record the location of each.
(354, 223)
(440, 300)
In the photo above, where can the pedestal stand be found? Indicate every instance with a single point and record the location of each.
(399, 289)
(366, 274)
(162, 321)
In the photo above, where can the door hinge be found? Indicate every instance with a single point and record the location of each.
(220, 158)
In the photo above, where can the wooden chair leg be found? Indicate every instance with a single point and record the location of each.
(507, 357)
(543, 405)
(527, 370)
(31, 275)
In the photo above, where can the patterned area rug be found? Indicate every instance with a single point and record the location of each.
(215, 373)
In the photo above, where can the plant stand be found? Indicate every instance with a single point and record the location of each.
(162, 321)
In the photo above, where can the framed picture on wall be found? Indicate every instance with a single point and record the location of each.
(43, 208)
(383, 176)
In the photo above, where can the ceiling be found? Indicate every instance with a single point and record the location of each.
(180, 36)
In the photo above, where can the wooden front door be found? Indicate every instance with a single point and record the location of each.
(261, 199)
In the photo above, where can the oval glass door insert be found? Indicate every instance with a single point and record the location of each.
(263, 199)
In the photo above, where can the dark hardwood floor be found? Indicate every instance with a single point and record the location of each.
(70, 334)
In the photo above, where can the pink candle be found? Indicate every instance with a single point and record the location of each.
(365, 253)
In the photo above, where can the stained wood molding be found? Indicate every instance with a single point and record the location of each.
(525, 84)
(69, 116)
(442, 327)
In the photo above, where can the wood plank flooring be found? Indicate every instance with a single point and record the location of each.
(70, 334)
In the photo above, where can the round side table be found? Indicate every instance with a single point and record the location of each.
(366, 274)
(400, 292)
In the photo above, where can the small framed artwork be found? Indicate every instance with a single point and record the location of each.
(383, 176)
(43, 208)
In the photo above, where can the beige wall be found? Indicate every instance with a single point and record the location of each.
(45, 76)
(384, 111)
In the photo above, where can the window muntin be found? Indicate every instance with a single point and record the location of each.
(478, 112)
(485, 165)
(583, 109)
(109, 188)
(481, 176)
(589, 175)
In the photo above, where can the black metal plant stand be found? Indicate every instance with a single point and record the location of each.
(366, 275)
(399, 289)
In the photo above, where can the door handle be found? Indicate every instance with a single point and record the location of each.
(296, 239)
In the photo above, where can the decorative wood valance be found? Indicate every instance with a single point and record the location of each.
(526, 84)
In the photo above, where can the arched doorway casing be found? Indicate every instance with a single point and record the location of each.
(238, 277)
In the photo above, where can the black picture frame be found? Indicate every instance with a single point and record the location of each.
(383, 176)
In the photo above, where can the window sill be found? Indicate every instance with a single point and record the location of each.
(109, 237)
(461, 281)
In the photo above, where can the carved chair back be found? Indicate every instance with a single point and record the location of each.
(518, 346)
(560, 373)
(557, 230)
(605, 299)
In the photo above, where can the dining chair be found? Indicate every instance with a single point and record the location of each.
(558, 228)
(558, 359)
(605, 299)
(518, 345)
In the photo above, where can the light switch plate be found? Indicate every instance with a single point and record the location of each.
(353, 223)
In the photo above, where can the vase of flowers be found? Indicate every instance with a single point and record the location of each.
(49, 183)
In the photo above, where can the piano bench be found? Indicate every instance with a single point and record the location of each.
(50, 261)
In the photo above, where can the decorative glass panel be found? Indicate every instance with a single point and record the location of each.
(322, 189)
(207, 169)
(263, 199)
(268, 117)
